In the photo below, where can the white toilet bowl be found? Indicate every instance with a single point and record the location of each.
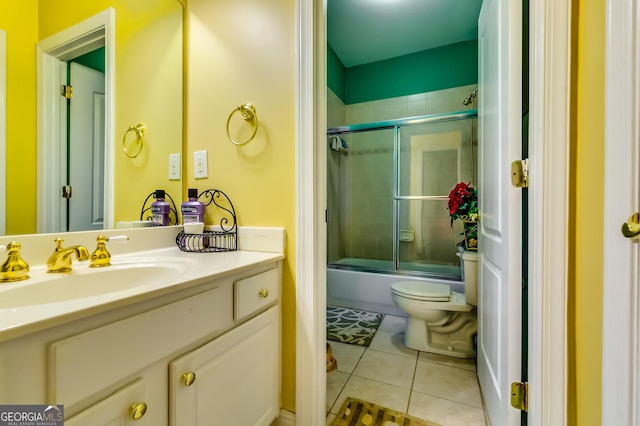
(440, 321)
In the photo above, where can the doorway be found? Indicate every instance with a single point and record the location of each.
(550, 41)
(53, 53)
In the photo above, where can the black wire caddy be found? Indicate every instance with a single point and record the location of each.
(225, 235)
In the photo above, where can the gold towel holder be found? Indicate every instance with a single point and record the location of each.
(139, 131)
(248, 112)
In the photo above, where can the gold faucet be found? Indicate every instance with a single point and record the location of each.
(60, 260)
(101, 256)
(14, 268)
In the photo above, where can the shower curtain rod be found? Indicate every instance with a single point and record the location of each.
(390, 124)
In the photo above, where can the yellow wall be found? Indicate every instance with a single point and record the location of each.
(19, 21)
(586, 283)
(244, 51)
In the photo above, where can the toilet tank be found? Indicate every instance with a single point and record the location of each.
(470, 265)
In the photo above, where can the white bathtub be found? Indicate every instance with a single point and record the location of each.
(371, 291)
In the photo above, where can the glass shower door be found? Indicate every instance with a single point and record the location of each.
(432, 159)
(360, 201)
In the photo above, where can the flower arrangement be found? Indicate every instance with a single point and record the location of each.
(463, 205)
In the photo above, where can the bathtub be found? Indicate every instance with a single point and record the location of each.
(371, 291)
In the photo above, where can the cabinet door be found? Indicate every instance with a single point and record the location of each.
(237, 377)
(116, 410)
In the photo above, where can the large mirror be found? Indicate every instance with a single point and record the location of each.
(139, 46)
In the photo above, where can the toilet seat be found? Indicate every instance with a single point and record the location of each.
(420, 290)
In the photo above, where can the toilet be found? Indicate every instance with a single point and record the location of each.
(440, 321)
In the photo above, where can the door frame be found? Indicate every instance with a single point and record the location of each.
(94, 32)
(621, 313)
(550, 24)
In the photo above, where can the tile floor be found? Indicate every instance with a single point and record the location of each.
(441, 389)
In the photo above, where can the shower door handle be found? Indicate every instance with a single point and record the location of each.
(631, 228)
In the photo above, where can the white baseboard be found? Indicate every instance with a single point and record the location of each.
(287, 418)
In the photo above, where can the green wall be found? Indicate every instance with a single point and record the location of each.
(94, 59)
(434, 69)
(335, 73)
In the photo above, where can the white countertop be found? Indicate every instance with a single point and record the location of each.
(198, 268)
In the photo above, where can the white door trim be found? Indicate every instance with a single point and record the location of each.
(549, 107)
(621, 316)
(3, 132)
(81, 38)
(311, 127)
(548, 194)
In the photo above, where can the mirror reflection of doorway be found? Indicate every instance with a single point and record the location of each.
(85, 165)
(54, 53)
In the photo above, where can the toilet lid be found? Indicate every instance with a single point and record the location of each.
(423, 290)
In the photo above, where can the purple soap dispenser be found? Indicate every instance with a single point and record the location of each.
(192, 210)
(160, 209)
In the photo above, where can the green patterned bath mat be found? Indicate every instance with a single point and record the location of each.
(352, 326)
(355, 412)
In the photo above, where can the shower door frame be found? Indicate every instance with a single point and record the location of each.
(396, 125)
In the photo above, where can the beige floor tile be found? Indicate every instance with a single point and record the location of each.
(466, 363)
(335, 382)
(383, 394)
(393, 323)
(445, 412)
(346, 355)
(451, 383)
(387, 368)
(392, 342)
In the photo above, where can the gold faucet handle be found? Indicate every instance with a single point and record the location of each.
(14, 268)
(101, 256)
(58, 242)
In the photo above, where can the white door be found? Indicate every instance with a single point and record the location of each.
(499, 260)
(86, 149)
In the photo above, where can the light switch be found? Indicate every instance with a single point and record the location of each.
(200, 169)
(174, 166)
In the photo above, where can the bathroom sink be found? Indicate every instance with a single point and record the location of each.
(84, 282)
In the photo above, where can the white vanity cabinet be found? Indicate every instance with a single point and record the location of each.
(107, 372)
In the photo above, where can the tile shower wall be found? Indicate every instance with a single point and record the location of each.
(368, 202)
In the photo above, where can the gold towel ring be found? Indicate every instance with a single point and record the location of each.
(139, 130)
(248, 112)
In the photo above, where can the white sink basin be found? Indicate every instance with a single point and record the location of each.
(83, 282)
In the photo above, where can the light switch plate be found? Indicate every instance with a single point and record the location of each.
(174, 166)
(200, 169)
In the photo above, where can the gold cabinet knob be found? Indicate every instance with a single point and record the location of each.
(137, 410)
(264, 292)
(188, 378)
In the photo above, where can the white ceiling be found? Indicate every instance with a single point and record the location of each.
(364, 31)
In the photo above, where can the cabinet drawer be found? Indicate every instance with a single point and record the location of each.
(84, 364)
(256, 292)
(114, 410)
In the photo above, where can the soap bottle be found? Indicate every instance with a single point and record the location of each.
(192, 210)
(160, 210)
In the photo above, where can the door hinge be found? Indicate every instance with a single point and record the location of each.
(520, 173)
(520, 396)
(66, 191)
(67, 91)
